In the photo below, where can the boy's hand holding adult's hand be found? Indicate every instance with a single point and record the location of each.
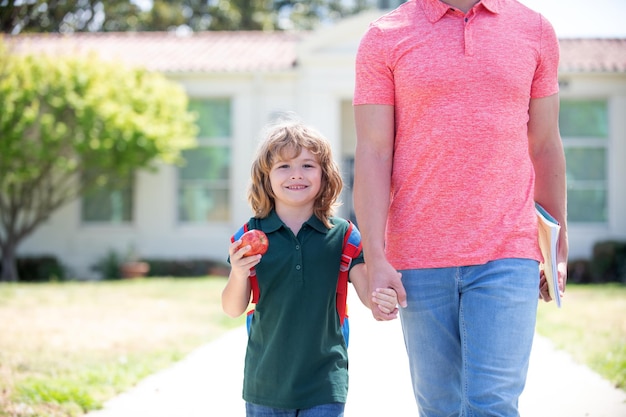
(383, 275)
(386, 299)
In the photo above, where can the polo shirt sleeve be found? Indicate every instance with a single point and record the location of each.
(374, 83)
(546, 79)
(359, 259)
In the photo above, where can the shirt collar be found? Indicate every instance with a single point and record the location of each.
(436, 9)
(494, 6)
(317, 224)
(272, 223)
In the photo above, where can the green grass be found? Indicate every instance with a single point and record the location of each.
(591, 326)
(66, 348)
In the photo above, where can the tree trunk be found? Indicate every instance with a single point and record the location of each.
(9, 265)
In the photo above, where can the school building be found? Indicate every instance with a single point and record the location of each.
(240, 81)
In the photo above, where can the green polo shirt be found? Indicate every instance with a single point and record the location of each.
(296, 356)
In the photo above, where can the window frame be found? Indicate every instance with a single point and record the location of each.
(110, 188)
(591, 142)
(223, 184)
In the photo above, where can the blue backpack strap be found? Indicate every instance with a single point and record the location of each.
(243, 229)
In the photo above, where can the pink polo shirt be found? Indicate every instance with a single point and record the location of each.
(463, 183)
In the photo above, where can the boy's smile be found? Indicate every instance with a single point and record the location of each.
(296, 181)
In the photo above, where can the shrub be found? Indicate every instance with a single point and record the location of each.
(608, 263)
(182, 267)
(44, 268)
(579, 271)
(109, 267)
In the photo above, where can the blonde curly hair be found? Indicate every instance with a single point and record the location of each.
(286, 139)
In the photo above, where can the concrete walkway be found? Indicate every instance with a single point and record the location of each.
(208, 382)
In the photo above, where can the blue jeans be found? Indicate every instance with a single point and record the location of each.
(468, 333)
(324, 410)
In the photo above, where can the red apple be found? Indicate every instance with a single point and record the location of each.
(257, 240)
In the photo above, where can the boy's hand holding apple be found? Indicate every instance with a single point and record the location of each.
(246, 252)
(257, 240)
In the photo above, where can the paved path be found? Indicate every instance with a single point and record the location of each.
(208, 382)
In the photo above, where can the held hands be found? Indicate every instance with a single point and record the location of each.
(386, 299)
(388, 291)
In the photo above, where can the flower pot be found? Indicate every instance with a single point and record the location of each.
(134, 269)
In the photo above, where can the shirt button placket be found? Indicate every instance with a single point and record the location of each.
(469, 43)
(298, 266)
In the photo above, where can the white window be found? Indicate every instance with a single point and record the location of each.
(584, 128)
(110, 204)
(204, 179)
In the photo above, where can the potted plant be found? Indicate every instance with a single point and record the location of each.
(133, 267)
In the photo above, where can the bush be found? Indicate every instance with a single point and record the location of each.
(109, 267)
(608, 263)
(579, 271)
(44, 268)
(182, 267)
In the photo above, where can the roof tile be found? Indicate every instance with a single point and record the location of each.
(168, 52)
(593, 55)
(250, 51)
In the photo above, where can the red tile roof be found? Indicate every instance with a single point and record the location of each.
(256, 51)
(168, 52)
(593, 55)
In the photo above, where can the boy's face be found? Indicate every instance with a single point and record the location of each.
(296, 181)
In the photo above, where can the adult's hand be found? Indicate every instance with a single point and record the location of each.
(543, 282)
(383, 275)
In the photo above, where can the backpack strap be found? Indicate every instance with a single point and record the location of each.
(254, 283)
(351, 249)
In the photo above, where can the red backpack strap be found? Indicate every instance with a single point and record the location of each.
(351, 249)
(253, 280)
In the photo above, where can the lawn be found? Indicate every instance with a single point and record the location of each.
(591, 326)
(66, 348)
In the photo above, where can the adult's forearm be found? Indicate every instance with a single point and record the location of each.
(371, 200)
(548, 158)
(372, 179)
(551, 189)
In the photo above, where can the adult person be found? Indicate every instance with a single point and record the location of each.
(456, 108)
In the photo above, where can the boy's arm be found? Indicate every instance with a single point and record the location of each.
(358, 278)
(237, 292)
(386, 300)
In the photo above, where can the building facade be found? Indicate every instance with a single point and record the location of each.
(238, 82)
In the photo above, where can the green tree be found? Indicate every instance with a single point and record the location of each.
(18, 16)
(68, 126)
